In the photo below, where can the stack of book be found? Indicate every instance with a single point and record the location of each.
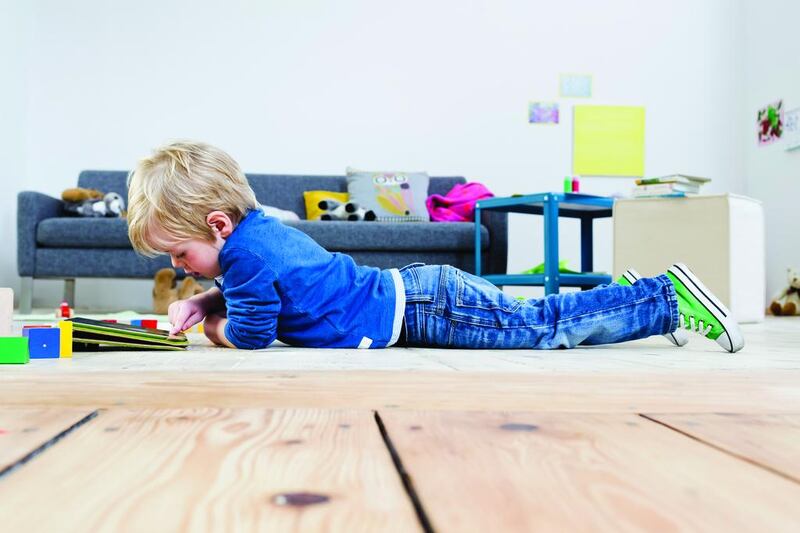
(94, 335)
(666, 186)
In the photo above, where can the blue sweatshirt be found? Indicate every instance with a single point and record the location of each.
(279, 283)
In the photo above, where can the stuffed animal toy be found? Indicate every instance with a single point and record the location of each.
(78, 195)
(334, 210)
(356, 212)
(109, 205)
(165, 290)
(788, 301)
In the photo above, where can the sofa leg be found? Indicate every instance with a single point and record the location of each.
(69, 292)
(26, 296)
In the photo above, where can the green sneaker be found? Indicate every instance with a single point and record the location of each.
(677, 337)
(700, 311)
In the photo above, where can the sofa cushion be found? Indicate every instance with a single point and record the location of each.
(80, 232)
(68, 232)
(313, 199)
(279, 190)
(392, 196)
(419, 236)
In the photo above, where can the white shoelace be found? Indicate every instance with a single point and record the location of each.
(696, 327)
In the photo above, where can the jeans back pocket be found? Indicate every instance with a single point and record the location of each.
(477, 293)
(418, 286)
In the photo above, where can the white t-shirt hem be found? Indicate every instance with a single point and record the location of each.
(399, 305)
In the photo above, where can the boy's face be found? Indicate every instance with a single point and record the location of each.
(198, 257)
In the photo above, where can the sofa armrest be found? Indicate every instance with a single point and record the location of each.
(495, 261)
(32, 208)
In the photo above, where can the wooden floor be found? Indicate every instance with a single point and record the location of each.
(636, 437)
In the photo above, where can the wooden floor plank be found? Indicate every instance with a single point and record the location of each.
(570, 472)
(23, 430)
(772, 441)
(741, 392)
(212, 470)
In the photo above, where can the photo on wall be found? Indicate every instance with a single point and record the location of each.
(791, 129)
(543, 112)
(575, 86)
(770, 123)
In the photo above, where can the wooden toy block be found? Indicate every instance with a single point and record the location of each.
(65, 347)
(14, 350)
(195, 329)
(43, 343)
(136, 323)
(6, 310)
(64, 311)
(150, 324)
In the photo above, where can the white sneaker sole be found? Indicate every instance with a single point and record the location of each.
(731, 338)
(677, 337)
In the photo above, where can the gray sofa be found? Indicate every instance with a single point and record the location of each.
(55, 246)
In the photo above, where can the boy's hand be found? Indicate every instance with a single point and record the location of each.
(183, 314)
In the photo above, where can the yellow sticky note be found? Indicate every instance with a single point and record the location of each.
(608, 141)
(65, 347)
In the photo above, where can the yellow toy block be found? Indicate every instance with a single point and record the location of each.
(195, 329)
(65, 348)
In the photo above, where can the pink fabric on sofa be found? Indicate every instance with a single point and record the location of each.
(458, 205)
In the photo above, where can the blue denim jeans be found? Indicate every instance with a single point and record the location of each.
(446, 307)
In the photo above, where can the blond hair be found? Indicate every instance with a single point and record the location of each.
(174, 190)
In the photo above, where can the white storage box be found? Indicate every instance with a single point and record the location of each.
(720, 237)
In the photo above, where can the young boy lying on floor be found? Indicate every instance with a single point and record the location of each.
(192, 201)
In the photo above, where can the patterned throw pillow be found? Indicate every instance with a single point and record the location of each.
(313, 198)
(393, 196)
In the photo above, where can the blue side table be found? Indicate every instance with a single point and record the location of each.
(552, 205)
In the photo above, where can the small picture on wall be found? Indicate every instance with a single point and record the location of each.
(770, 123)
(575, 85)
(791, 129)
(543, 112)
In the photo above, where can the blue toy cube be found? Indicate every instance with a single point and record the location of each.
(43, 343)
(136, 323)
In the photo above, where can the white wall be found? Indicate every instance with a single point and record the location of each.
(772, 71)
(313, 86)
(15, 32)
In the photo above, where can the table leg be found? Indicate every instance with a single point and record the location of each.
(587, 244)
(550, 211)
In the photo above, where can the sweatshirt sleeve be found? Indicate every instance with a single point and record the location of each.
(251, 298)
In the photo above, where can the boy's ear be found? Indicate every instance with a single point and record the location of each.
(220, 223)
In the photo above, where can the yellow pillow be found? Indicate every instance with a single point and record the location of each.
(313, 198)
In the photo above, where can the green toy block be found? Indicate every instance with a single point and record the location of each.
(13, 350)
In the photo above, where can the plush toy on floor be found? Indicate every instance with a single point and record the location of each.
(334, 210)
(165, 290)
(788, 301)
